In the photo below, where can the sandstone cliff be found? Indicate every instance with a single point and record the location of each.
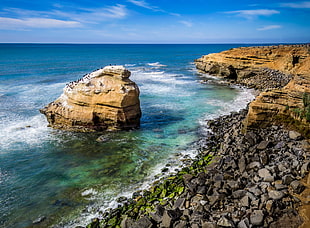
(281, 72)
(105, 99)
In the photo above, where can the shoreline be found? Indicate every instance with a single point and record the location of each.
(174, 164)
(242, 177)
(210, 193)
(89, 206)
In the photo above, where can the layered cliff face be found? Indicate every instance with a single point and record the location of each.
(281, 72)
(105, 99)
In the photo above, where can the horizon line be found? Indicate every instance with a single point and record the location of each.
(154, 43)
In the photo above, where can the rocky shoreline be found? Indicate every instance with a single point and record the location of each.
(280, 72)
(237, 180)
(244, 176)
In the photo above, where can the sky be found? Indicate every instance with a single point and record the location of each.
(154, 21)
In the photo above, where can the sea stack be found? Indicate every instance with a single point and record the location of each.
(105, 99)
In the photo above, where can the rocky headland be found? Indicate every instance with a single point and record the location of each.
(252, 167)
(105, 99)
(280, 72)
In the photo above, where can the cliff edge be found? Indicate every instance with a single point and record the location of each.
(281, 73)
(105, 99)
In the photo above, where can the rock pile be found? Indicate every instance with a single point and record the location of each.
(265, 79)
(105, 99)
(236, 181)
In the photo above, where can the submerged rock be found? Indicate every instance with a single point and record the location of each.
(102, 139)
(105, 99)
(39, 220)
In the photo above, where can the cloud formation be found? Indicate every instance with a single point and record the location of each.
(26, 23)
(117, 11)
(297, 5)
(269, 27)
(254, 13)
(144, 4)
(26, 19)
(93, 15)
(108, 21)
(186, 23)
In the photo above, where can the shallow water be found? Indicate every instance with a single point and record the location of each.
(69, 177)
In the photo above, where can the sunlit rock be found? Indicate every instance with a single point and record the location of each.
(105, 99)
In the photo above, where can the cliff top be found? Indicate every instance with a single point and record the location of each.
(116, 71)
(292, 59)
(281, 72)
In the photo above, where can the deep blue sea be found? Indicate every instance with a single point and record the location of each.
(68, 178)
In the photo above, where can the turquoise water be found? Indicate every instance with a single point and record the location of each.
(68, 178)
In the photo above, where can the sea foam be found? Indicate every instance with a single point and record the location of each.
(156, 64)
(23, 132)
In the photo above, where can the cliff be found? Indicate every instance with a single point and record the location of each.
(281, 72)
(105, 99)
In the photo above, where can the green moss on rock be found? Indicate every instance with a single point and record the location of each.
(168, 189)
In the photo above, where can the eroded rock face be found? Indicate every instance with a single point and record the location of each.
(105, 99)
(281, 72)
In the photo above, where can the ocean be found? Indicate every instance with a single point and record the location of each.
(65, 178)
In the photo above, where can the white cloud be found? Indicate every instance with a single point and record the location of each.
(24, 13)
(254, 13)
(269, 27)
(297, 5)
(144, 4)
(175, 14)
(26, 23)
(79, 15)
(140, 3)
(57, 5)
(186, 23)
(89, 15)
(118, 11)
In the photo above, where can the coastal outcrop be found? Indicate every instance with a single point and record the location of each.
(281, 73)
(105, 99)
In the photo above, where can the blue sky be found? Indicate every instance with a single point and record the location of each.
(155, 21)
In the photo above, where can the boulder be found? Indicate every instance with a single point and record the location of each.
(144, 222)
(275, 195)
(224, 222)
(105, 99)
(257, 218)
(244, 223)
(294, 135)
(297, 186)
(263, 145)
(263, 173)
